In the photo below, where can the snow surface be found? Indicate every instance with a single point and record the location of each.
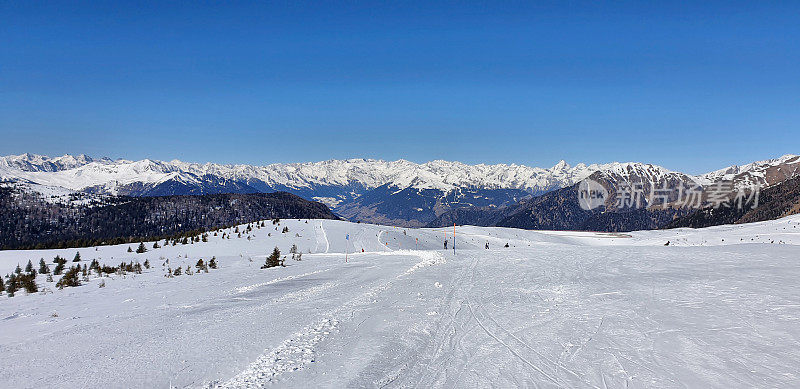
(718, 307)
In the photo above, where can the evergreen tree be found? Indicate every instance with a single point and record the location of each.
(200, 264)
(11, 285)
(18, 270)
(43, 268)
(59, 269)
(130, 250)
(273, 259)
(146, 263)
(77, 257)
(213, 263)
(177, 271)
(141, 249)
(29, 267)
(28, 282)
(2, 285)
(69, 279)
(155, 245)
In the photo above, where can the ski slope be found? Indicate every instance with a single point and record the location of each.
(718, 307)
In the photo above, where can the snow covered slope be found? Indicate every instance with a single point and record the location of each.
(760, 173)
(718, 307)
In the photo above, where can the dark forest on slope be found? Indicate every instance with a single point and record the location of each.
(773, 203)
(28, 221)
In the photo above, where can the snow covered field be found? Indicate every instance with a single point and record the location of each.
(718, 307)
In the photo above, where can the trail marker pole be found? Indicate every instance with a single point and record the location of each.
(454, 238)
(347, 240)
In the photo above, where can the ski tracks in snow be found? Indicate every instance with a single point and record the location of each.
(250, 288)
(299, 350)
(295, 353)
(321, 236)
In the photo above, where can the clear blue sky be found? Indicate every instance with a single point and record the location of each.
(692, 87)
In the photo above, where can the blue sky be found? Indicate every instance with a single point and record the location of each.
(693, 87)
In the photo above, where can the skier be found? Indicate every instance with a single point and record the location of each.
(445, 244)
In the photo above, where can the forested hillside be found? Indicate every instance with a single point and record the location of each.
(773, 203)
(28, 220)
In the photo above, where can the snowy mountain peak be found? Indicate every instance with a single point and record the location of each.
(561, 165)
(118, 176)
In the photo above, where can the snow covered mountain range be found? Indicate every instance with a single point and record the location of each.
(399, 192)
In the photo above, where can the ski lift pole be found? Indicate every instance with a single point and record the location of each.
(454, 238)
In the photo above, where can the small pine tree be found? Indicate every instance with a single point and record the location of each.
(49, 277)
(273, 259)
(141, 249)
(2, 285)
(28, 282)
(77, 257)
(293, 250)
(200, 264)
(213, 263)
(155, 245)
(285, 230)
(29, 267)
(59, 269)
(177, 271)
(130, 250)
(18, 270)
(11, 285)
(69, 279)
(43, 268)
(146, 263)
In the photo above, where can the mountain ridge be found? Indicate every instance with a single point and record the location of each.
(390, 192)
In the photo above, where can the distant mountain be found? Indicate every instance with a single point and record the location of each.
(561, 209)
(398, 192)
(774, 202)
(29, 219)
(388, 192)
